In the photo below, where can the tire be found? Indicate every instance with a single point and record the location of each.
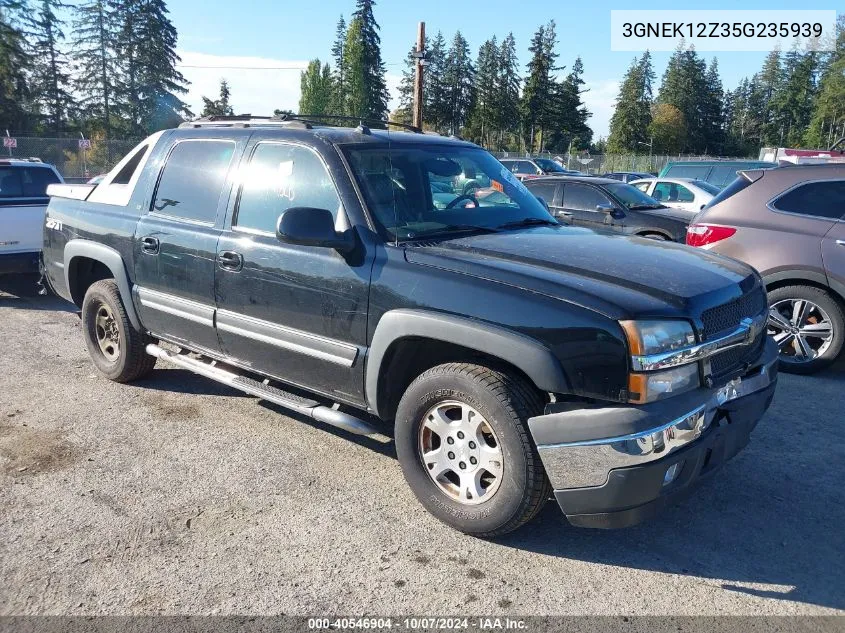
(504, 403)
(654, 236)
(817, 310)
(116, 347)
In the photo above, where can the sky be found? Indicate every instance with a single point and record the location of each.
(260, 50)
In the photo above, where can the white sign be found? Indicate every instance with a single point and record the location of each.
(84, 143)
(9, 142)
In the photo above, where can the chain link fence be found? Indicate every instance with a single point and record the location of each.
(603, 163)
(75, 160)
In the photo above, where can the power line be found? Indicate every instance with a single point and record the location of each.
(205, 67)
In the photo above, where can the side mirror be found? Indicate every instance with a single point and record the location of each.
(609, 210)
(543, 202)
(312, 227)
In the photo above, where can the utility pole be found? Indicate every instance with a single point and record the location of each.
(418, 77)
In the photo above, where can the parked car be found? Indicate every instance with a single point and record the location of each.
(607, 205)
(513, 357)
(686, 195)
(789, 223)
(716, 172)
(23, 199)
(526, 168)
(626, 176)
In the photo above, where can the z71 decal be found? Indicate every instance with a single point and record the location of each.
(54, 224)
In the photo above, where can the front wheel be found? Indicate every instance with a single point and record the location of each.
(465, 451)
(808, 327)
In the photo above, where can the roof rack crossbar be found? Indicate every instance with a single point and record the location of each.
(342, 117)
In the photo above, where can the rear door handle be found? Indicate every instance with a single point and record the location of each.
(230, 260)
(150, 244)
(840, 242)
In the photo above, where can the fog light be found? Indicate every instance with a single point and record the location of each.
(672, 473)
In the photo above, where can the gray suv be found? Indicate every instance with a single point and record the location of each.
(789, 223)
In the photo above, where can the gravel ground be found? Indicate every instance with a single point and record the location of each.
(176, 495)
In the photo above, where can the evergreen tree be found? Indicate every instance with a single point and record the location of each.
(536, 95)
(15, 90)
(458, 77)
(632, 116)
(828, 122)
(219, 106)
(712, 106)
(374, 88)
(436, 106)
(507, 88)
(569, 127)
(356, 100)
(339, 90)
(683, 85)
(50, 74)
(316, 88)
(793, 102)
(93, 45)
(158, 81)
(484, 118)
(766, 84)
(405, 111)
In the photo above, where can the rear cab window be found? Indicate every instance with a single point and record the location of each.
(190, 185)
(699, 172)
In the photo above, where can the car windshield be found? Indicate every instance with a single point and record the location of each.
(632, 197)
(419, 191)
(713, 190)
(549, 165)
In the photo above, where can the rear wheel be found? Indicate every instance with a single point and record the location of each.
(116, 347)
(655, 236)
(465, 450)
(808, 327)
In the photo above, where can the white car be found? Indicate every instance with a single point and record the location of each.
(686, 195)
(23, 200)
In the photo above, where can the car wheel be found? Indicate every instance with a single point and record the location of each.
(465, 450)
(655, 236)
(116, 347)
(808, 327)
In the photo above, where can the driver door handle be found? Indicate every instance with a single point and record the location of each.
(150, 244)
(840, 242)
(230, 260)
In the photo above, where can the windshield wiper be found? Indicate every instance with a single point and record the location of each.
(528, 222)
(449, 230)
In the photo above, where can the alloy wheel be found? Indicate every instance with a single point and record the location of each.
(461, 452)
(802, 330)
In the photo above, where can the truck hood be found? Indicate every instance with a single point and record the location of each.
(615, 275)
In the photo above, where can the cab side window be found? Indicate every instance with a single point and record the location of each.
(672, 192)
(820, 199)
(583, 198)
(281, 176)
(192, 180)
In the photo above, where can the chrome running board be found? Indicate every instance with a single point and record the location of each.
(304, 406)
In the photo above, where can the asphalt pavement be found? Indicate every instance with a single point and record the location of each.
(177, 495)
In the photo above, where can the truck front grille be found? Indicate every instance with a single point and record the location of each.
(726, 317)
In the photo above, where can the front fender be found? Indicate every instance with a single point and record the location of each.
(528, 355)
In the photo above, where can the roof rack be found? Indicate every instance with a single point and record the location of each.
(241, 120)
(304, 120)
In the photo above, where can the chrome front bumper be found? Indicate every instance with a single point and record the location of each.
(661, 429)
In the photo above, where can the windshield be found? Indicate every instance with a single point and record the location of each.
(706, 186)
(549, 165)
(421, 191)
(632, 197)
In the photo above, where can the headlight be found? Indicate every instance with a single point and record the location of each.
(646, 338)
(656, 337)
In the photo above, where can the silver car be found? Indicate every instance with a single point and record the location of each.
(686, 196)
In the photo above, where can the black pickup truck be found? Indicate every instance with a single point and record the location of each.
(334, 272)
